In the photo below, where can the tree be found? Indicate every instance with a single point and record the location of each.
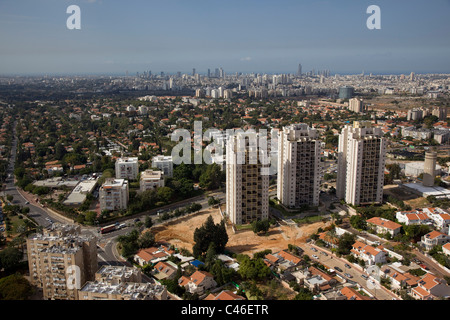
(146, 240)
(148, 222)
(252, 269)
(15, 287)
(358, 222)
(210, 233)
(10, 258)
(260, 226)
(304, 294)
(346, 242)
(212, 178)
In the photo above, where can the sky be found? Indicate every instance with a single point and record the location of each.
(238, 35)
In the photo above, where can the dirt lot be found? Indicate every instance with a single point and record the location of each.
(181, 233)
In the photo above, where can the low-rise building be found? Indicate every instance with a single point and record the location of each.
(434, 238)
(382, 225)
(430, 287)
(198, 282)
(163, 163)
(151, 179)
(127, 168)
(113, 194)
(224, 295)
(369, 254)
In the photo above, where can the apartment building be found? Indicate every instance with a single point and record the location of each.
(151, 179)
(163, 163)
(361, 164)
(247, 180)
(356, 105)
(121, 283)
(127, 168)
(113, 194)
(60, 260)
(299, 166)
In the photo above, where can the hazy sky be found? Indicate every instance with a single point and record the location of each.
(245, 35)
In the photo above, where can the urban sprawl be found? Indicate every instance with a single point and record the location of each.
(355, 206)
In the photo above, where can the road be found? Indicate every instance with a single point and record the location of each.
(332, 261)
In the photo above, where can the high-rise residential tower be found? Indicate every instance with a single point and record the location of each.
(299, 167)
(361, 164)
(247, 180)
(61, 260)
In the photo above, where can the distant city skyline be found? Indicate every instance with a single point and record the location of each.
(248, 37)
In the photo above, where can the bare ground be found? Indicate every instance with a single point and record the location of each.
(181, 234)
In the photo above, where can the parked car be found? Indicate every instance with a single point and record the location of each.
(338, 269)
(348, 266)
(364, 276)
(315, 257)
(348, 275)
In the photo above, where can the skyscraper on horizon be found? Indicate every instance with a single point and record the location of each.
(299, 70)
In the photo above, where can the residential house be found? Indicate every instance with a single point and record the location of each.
(398, 279)
(224, 295)
(165, 270)
(198, 282)
(413, 217)
(152, 255)
(369, 254)
(382, 225)
(430, 287)
(352, 294)
(440, 217)
(446, 249)
(434, 238)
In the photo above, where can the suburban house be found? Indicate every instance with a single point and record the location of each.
(282, 260)
(382, 225)
(352, 294)
(413, 217)
(434, 238)
(446, 249)
(152, 255)
(369, 254)
(332, 241)
(165, 270)
(440, 217)
(224, 295)
(198, 282)
(430, 287)
(398, 279)
(315, 279)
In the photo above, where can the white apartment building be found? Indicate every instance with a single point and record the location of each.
(151, 179)
(356, 105)
(113, 194)
(361, 164)
(127, 168)
(299, 167)
(163, 163)
(247, 187)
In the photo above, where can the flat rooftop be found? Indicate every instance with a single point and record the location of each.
(436, 191)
